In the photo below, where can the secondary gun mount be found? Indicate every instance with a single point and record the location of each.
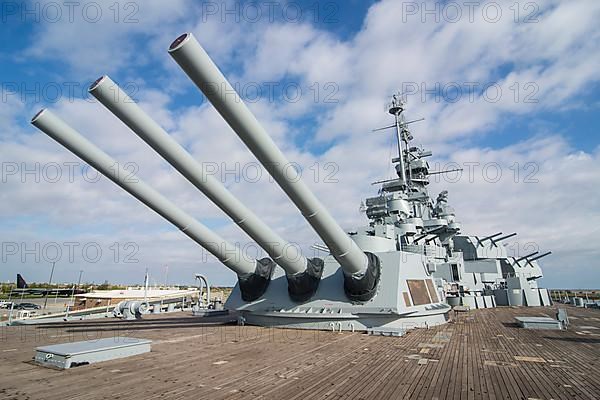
(254, 275)
(303, 275)
(361, 270)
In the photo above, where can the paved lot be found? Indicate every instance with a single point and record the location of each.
(54, 305)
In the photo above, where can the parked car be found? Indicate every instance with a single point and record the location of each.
(27, 306)
(6, 304)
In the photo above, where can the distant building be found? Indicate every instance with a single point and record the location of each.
(104, 298)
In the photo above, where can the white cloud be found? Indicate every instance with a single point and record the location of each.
(388, 54)
(104, 36)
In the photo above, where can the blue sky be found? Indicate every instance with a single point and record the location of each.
(347, 60)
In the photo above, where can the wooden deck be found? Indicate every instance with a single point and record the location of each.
(482, 355)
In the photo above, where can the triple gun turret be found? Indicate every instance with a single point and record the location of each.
(361, 270)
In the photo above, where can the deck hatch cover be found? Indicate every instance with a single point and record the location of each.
(67, 355)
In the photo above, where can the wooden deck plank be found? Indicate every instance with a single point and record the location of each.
(470, 358)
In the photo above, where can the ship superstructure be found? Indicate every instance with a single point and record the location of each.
(469, 270)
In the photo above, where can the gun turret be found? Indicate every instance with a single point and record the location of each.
(253, 275)
(361, 270)
(302, 281)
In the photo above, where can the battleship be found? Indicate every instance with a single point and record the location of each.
(296, 327)
(404, 269)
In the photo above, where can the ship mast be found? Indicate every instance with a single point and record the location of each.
(396, 108)
(403, 135)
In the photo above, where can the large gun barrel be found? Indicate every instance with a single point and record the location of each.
(124, 108)
(196, 63)
(227, 253)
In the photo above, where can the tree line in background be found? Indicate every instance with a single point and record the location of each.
(6, 288)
